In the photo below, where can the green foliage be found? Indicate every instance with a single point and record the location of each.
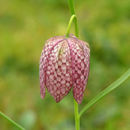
(24, 27)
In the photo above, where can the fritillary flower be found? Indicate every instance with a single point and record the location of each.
(64, 65)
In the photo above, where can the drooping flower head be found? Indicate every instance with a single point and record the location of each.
(64, 65)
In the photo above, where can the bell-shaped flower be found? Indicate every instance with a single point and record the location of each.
(64, 64)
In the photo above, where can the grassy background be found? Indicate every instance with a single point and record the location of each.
(24, 27)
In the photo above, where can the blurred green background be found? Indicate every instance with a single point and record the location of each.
(25, 25)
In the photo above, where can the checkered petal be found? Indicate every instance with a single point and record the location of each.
(49, 45)
(80, 54)
(64, 64)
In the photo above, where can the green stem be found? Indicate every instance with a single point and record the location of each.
(71, 6)
(77, 117)
(103, 93)
(69, 25)
(74, 18)
(10, 120)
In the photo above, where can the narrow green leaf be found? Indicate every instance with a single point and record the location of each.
(103, 93)
(11, 121)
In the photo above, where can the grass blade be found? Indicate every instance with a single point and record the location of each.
(11, 121)
(107, 90)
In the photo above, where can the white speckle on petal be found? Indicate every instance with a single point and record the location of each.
(51, 77)
(82, 65)
(67, 75)
(59, 63)
(58, 79)
(79, 72)
(48, 72)
(49, 67)
(56, 66)
(58, 85)
(63, 82)
(63, 67)
(63, 90)
(67, 63)
(82, 77)
(79, 60)
(67, 84)
(64, 60)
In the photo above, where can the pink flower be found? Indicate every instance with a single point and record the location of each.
(64, 64)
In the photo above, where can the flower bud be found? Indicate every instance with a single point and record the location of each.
(64, 64)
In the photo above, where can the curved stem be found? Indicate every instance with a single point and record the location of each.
(77, 117)
(13, 122)
(69, 25)
(103, 93)
(71, 6)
